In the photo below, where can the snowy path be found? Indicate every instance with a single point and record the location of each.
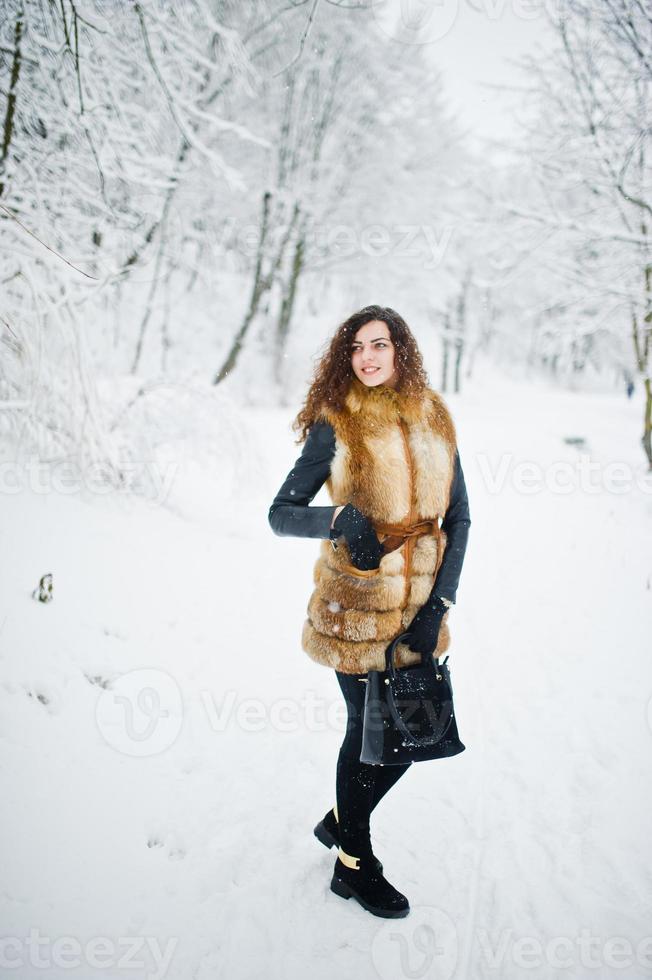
(529, 854)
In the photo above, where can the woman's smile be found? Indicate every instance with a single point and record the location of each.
(373, 340)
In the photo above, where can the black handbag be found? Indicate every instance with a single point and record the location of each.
(408, 712)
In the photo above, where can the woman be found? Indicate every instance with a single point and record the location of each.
(393, 544)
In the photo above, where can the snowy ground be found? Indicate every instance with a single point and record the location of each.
(166, 746)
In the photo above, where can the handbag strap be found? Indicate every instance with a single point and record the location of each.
(427, 660)
(447, 712)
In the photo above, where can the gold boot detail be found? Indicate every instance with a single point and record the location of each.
(348, 860)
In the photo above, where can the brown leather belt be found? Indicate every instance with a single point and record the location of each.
(394, 535)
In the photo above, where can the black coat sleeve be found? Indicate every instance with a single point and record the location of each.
(289, 513)
(456, 524)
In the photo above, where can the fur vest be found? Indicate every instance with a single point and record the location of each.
(394, 460)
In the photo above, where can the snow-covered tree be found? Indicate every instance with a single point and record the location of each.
(584, 198)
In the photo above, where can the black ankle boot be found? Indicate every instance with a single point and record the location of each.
(328, 832)
(370, 888)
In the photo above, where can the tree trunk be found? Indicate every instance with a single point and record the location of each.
(153, 287)
(647, 424)
(256, 294)
(263, 282)
(11, 99)
(459, 350)
(642, 340)
(287, 307)
(444, 363)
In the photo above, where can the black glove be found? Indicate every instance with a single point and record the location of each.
(358, 531)
(425, 626)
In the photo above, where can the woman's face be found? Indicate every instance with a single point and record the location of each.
(372, 347)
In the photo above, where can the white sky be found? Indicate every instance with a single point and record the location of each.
(472, 45)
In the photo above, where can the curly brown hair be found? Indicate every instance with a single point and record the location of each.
(333, 373)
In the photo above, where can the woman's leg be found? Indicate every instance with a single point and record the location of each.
(359, 786)
(354, 779)
(384, 779)
(357, 872)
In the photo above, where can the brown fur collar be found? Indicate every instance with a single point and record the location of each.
(382, 405)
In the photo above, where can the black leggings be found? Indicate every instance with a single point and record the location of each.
(360, 786)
